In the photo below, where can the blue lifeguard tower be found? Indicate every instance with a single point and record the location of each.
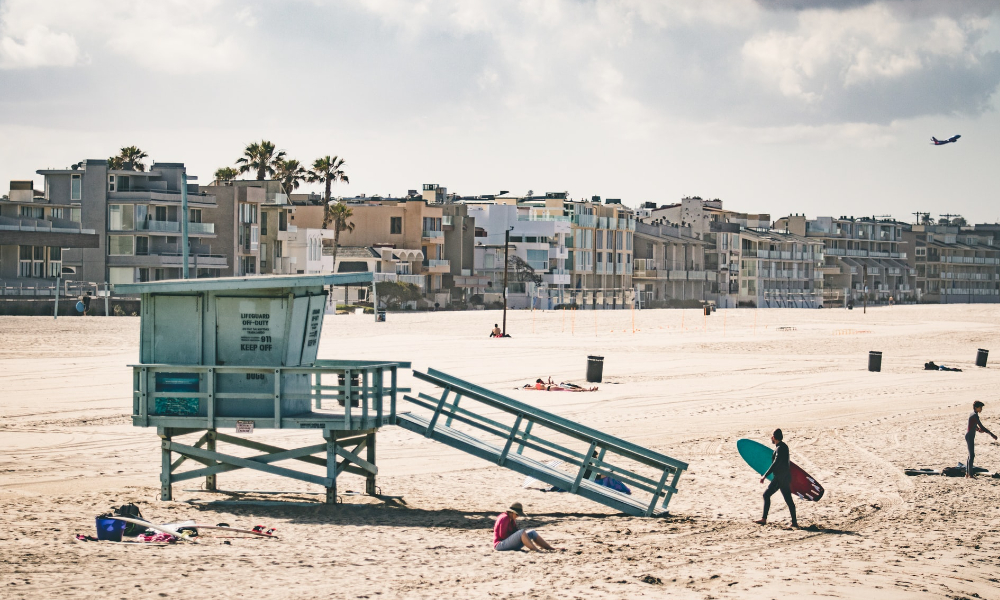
(241, 354)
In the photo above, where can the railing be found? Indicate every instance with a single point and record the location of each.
(835, 251)
(438, 263)
(196, 228)
(543, 217)
(418, 280)
(38, 227)
(213, 396)
(584, 220)
(428, 233)
(377, 277)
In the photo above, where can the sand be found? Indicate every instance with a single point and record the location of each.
(680, 383)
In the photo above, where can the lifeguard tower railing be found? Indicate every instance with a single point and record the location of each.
(562, 453)
(343, 395)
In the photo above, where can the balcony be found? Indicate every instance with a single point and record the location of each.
(557, 277)
(558, 252)
(436, 236)
(169, 260)
(417, 280)
(438, 266)
(171, 227)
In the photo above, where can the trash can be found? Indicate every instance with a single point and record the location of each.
(981, 357)
(707, 310)
(380, 316)
(595, 369)
(875, 361)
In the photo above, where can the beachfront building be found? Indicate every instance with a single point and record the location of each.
(599, 249)
(136, 216)
(459, 250)
(955, 264)
(669, 266)
(36, 231)
(721, 230)
(239, 220)
(779, 269)
(384, 262)
(537, 252)
(859, 254)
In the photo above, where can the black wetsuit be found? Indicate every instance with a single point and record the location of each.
(782, 471)
(970, 439)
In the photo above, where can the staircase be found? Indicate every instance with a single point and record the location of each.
(500, 429)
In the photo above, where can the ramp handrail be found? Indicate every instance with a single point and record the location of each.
(519, 436)
(634, 451)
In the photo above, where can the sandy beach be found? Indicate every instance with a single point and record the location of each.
(675, 381)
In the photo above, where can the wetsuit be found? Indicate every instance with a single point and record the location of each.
(782, 471)
(970, 439)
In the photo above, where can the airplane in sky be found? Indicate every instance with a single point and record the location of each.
(950, 140)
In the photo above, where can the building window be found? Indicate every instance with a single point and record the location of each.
(263, 230)
(160, 213)
(194, 215)
(143, 274)
(395, 225)
(277, 249)
(120, 245)
(121, 275)
(142, 245)
(120, 217)
(263, 245)
(112, 183)
(75, 187)
(56, 213)
(33, 212)
(74, 215)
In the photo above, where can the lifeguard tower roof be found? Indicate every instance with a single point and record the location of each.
(241, 283)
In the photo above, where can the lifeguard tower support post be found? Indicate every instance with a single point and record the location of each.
(241, 353)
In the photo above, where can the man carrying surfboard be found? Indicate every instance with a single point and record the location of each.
(975, 424)
(782, 481)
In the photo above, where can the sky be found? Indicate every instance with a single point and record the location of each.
(816, 107)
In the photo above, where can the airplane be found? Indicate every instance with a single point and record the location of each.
(950, 140)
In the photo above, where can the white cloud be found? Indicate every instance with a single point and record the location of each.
(37, 46)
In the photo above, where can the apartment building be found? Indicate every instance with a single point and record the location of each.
(599, 251)
(136, 216)
(459, 250)
(955, 264)
(669, 265)
(537, 236)
(386, 263)
(861, 256)
(239, 218)
(780, 269)
(721, 230)
(35, 231)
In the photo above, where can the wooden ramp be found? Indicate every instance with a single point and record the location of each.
(521, 437)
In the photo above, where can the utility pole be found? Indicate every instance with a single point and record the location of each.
(184, 224)
(506, 264)
(864, 287)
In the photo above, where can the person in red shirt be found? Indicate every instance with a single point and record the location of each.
(970, 435)
(507, 536)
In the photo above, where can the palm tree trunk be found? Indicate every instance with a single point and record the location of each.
(326, 206)
(261, 172)
(336, 242)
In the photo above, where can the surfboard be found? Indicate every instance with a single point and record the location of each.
(758, 456)
(154, 527)
(193, 525)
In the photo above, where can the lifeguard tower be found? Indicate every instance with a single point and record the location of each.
(240, 353)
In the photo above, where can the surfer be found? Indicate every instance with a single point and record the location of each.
(507, 536)
(975, 424)
(782, 481)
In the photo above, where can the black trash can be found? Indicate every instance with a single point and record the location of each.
(875, 361)
(707, 310)
(595, 369)
(380, 316)
(981, 357)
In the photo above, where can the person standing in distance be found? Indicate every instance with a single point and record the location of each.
(975, 424)
(782, 481)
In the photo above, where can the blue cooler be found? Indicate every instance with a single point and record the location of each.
(110, 529)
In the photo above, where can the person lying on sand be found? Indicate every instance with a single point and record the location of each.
(552, 387)
(507, 536)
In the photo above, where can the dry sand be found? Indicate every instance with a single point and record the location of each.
(675, 381)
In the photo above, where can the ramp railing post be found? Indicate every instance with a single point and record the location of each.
(447, 422)
(584, 467)
(524, 438)
(437, 412)
(673, 484)
(277, 398)
(510, 439)
(656, 494)
(392, 398)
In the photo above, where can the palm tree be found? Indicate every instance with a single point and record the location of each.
(261, 157)
(339, 214)
(129, 158)
(225, 174)
(328, 170)
(290, 173)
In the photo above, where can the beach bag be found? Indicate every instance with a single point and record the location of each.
(130, 511)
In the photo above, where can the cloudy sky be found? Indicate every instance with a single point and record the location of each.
(781, 106)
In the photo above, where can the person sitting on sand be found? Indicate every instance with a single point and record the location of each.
(496, 331)
(507, 536)
(975, 424)
(552, 387)
(782, 471)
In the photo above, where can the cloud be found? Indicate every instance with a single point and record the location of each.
(37, 46)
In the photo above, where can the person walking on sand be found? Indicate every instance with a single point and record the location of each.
(782, 481)
(975, 424)
(507, 536)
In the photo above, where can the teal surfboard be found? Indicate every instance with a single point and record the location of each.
(758, 456)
